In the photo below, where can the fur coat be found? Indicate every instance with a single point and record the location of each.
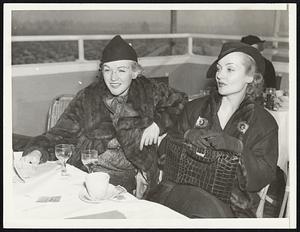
(87, 123)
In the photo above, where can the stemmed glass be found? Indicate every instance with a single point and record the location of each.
(63, 152)
(89, 158)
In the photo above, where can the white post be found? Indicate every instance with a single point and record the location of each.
(173, 29)
(276, 27)
(80, 50)
(190, 45)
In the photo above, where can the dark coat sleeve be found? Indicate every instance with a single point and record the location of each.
(129, 136)
(65, 131)
(182, 124)
(169, 103)
(260, 159)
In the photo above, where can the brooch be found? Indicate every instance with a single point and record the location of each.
(243, 127)
(201, 123)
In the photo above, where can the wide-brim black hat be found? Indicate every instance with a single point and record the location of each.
(231, 47)
(118, 49)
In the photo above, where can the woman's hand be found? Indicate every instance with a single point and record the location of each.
(196, 137)
(150, 135)
(223, 141)
(32, 158)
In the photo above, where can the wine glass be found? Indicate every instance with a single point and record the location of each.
(63, 152)
(89, 158)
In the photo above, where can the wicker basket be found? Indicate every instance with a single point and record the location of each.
(212, 170)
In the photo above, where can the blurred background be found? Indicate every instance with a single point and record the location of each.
(93, 22)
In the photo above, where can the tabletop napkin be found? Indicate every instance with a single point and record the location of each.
(31, 173)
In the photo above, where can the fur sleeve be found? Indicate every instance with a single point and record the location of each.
(168, 105)
(65, 131)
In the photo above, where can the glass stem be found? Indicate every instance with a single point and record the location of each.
(64, 167)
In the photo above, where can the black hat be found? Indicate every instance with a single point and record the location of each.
(118, 49)
(251, 39)
(238, 47)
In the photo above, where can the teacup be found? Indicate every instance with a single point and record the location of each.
(96, 184)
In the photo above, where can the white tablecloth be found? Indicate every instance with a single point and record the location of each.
(49, 183)
(282, 119)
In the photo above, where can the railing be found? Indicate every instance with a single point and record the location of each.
(188, 36)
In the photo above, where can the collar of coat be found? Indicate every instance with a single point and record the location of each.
(140, 95)
(240, 198)
(129, 127)
(242, 116)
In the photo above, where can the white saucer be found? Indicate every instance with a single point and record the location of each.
(113, 193)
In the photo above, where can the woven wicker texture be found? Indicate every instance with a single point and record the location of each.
(58, 106)
(212, 170)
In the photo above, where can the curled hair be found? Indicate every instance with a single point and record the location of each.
(136, 67)
(255, 88)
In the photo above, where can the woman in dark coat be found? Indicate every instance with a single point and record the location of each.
(227, 120)
(120, 115)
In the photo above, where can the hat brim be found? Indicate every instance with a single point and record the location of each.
(257, 42)
(262, 41)
(211, 72)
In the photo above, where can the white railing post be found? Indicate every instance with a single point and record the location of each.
(80, 50)
(190, 45)
(276, 27)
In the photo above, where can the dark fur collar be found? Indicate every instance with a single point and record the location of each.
(140, 95)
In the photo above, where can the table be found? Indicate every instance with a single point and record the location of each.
(49, 182)
(282, 119)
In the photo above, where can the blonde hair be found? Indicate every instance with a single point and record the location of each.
(135, 66)
(255, 88)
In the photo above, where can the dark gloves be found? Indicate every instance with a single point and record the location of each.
(217, 140)
(196, 137)
(223, 141)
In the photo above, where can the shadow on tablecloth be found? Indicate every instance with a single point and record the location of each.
(106, 215)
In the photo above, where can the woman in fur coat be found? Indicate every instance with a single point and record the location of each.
(120, 115)
(227, 120)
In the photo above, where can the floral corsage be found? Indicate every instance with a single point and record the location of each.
(201, 122)
(242, 127)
